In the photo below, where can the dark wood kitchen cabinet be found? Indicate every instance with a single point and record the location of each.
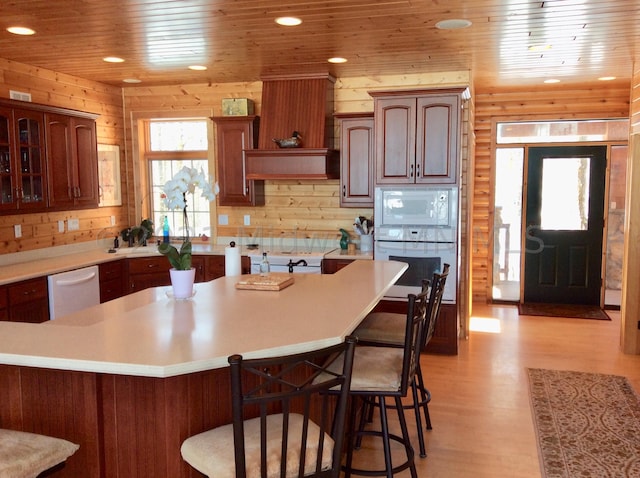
(356, 159)
(417, 136)
(331, 266)
(234, 135)
(112, 280)
(145, 272)
(22, 160)
(28, 301)
(72, 159)
(214, 267)
(4, 303)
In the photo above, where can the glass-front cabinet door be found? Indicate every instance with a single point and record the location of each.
(7, 176)
(32, 159)
(22, 159)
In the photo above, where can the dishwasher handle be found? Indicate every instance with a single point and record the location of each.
(79, 280)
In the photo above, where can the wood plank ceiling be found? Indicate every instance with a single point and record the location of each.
(510, 42)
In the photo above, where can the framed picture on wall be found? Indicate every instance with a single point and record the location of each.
(109, 175)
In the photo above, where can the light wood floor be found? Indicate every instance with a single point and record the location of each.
(482, 425)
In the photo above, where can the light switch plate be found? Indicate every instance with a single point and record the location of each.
(223, 219)
(247, 220)
(113, 220)
(73, 224)
(17, 229)
(60, 226)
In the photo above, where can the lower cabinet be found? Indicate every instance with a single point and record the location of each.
(145, 272)
(28, 301)
(331, 266)
(214, 267)
(4, 303)
(112, 280)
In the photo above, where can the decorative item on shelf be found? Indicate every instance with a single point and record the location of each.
(294, 142)
(237, 107)
(364, 228)
(175, 197)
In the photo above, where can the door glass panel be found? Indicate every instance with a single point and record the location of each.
(507, 224)
(565, 194)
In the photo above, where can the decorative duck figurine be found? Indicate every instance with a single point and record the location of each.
(294, 142)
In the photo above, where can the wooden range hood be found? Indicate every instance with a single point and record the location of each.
(303, 104)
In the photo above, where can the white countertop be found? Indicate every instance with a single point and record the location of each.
(149, 334)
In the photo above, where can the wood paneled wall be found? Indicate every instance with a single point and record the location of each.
(55, 89)
(545, 102)
(630, 302)
(293, 208)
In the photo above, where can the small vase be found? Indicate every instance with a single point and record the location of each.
(182, 283)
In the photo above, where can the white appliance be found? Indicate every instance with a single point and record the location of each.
(423, 258)
(281, 261)
(73, 291)
(416, 214)
(419, 226)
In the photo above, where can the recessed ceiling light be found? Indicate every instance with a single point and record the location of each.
(21, 30)
(112, 59)
(607, 78)
(197, 67)
(453, 24)
(540, 47)
(552, 80)
(288, 21)
(132, 80)
(337, 59)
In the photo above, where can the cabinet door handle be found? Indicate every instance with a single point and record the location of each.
(411, 171)
(344, 190)
(417, 170)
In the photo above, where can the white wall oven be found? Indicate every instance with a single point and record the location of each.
(418, 226)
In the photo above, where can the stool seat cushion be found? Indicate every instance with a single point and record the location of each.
(212, 452)
(385, 328)
(26, 455)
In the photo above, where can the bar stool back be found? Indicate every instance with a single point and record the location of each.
(297, 427)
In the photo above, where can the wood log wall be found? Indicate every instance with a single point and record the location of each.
(304, 209)
(545, 103)
(55, 89)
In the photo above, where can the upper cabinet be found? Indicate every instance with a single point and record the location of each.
(234, 135)
(48, 158)
(72, 158)
(417, 136)
(356, 159)
(22, 160)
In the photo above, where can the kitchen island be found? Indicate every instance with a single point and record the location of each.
(130, 379)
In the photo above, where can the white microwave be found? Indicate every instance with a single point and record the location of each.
(421, 213)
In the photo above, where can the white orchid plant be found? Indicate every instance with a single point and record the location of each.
(187, 180)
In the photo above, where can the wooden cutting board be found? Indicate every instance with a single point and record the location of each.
(273, 281)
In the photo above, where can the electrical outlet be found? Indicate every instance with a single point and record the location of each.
(17, 229)
(61, 226)
(247, 220)
(73, 224)
(113, 220)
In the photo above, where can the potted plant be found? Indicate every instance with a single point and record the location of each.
(175, 197)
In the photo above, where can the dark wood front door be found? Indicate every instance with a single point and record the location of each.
(564, 224)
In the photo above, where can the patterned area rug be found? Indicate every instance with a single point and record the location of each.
(563, 310)
(588, 424)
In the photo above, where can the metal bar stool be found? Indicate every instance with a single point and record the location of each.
(387, 329)
(381, 373)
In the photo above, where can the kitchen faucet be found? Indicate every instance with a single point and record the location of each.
(292, 264)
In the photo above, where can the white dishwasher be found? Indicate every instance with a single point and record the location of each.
(73, 291)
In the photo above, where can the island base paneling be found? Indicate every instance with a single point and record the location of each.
(126, 426)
